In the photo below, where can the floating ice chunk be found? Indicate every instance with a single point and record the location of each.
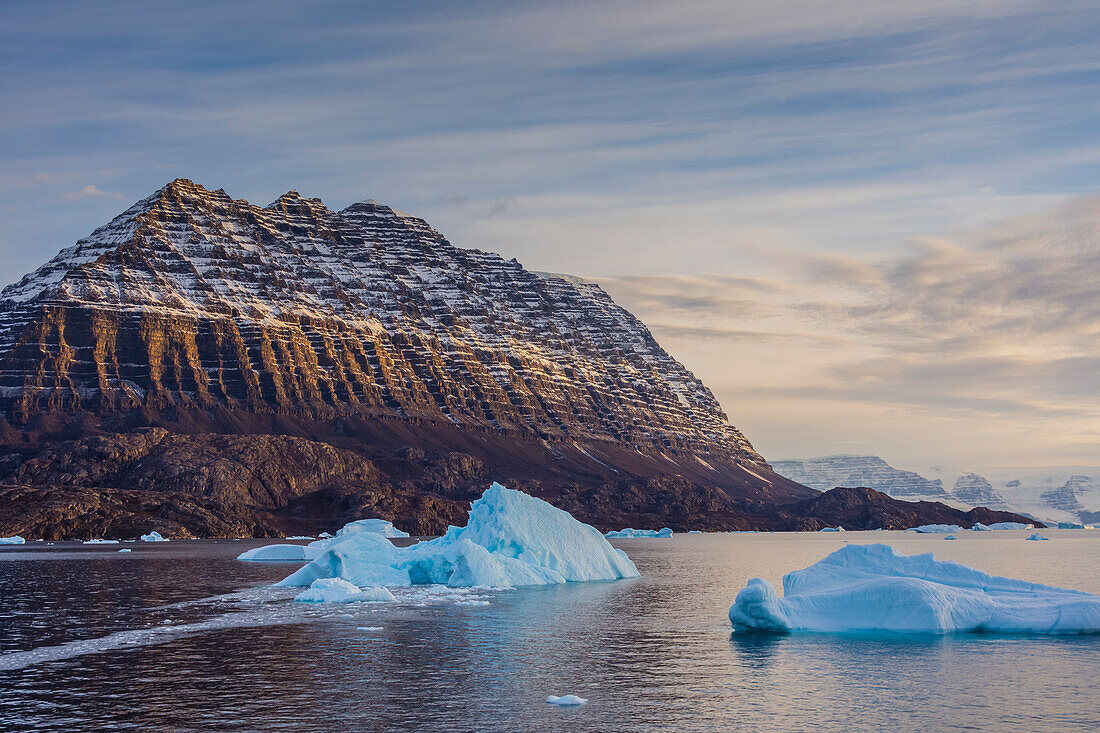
(13, 540)
(874, 588)
(378, 526)
(831, 529)
(695, 531)
(153, 537)
(100, 542)
(337, 590)
(1011, 525)
(1070, 525)
(279, 553)
(511, 539)
(951, 537)
(125, 549)
(298, 537)
(629, 533)
(937, 528)
(566, 700)
(979, 527)
(1038, 537)
(305, 553)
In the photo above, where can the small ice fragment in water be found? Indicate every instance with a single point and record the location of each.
(831, 529)
(338, 590)
(368, 628)
(1037, 537)
(100, 542)
(566, 700)
(125, 549)
(298, 537)
(951, 537)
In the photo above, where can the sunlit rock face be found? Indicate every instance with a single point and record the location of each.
(418, 370)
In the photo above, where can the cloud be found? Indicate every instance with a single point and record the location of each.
(91, 192)
(984, 347)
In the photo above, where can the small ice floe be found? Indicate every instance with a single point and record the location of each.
(100, 542)
(831, 529)
(1011, 525)
(951, 537)
(510, 540)
(566, 700)
(14, 540)
(1037, 537)
(629, 533)
(936, 529)
(125, 549)
(695, 531)
(298, 537)
(369, 628)
(338, 590)
(862, 588)
(325, 541)
(153, 537)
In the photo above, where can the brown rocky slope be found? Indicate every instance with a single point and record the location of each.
(204, 366)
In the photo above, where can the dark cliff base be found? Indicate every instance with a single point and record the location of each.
(86, 482)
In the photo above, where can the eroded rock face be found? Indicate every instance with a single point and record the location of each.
(193, 301)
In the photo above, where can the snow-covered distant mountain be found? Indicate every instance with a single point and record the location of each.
(1051, 495)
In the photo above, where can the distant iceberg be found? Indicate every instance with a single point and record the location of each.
(950, 537)
(1038, 537)
(937, 528)
(337, 590)
(628, 533)
(13, 540)
(377, 526)
(100, 542)
(1011, 525)
(831, 529)
(874, 588)
(511, 539)
(979, 527)
(312, 551)
(153, 537)
(566, 700)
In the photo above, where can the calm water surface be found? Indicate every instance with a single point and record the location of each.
(182, 637)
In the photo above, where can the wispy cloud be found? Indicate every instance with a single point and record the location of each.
(979, 342)
(91, 192)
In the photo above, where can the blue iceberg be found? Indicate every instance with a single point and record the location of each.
(630, 533)
(874, 588)
(511, 539)
(312, 551)
(13, 540)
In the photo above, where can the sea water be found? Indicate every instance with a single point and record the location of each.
(180, 636)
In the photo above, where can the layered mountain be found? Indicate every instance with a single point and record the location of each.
(975, 490)
(208, 366)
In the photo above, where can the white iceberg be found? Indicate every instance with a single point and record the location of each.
(280, 553)
(629, 533)
(874, 588)
(312, 551)
(13, 540)
(125, 549)
(1011, 525)
(566, 700)
(511, 539)
(831, 529)
(1038, 537)
(337, 590)
(377, 526)
(937, 528)
(153, 537)
(100, 542)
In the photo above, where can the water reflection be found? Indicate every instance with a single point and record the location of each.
(651, 653)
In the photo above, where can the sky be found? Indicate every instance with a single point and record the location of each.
(870, 227)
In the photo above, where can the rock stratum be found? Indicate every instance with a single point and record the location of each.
(214, 368)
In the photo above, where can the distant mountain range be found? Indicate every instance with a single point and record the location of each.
(1051, 495)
